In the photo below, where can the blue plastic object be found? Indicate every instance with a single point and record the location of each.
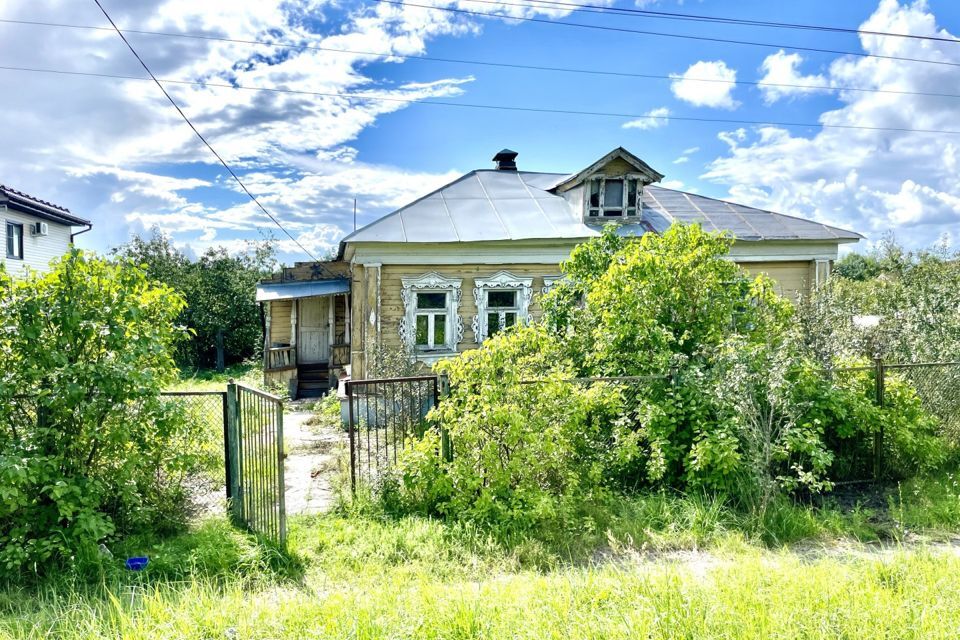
(137, 563)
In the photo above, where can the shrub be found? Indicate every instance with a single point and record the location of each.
(87, 448)
(524, 454)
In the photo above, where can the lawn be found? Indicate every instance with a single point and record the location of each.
(666, 567)
(249, 373)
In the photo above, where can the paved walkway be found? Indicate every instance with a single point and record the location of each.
(311, 464)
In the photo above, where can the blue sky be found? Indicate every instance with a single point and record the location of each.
(114, 151)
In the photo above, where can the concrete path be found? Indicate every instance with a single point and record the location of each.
(311, 465)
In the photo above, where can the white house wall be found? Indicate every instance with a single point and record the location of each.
(38, 251)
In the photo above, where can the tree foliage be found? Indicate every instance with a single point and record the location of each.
(87, 448)
(218, 287)
(722, 395)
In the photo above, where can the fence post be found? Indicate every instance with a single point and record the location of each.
(879, 392)
(281, 482)
(350, 426)
(446, 447)
(227, 459)
(233, 453)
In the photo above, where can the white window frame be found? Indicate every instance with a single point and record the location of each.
(500, 281)
(624, 210)
(431, 282)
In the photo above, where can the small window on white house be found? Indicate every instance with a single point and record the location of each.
(14, 241)
(431, 323)
(612, 197)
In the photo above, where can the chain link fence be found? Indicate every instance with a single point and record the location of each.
(205, 412)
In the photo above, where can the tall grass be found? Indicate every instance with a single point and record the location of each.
(755, 596)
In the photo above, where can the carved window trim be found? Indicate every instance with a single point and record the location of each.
(500, 281)
(549, 282)
(431, 282)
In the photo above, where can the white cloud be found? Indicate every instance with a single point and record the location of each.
(782, 69)
(706, 84)
(115, 151)
(655, 118)
(866, 180)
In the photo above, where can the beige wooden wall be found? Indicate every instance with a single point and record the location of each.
(793, 279)
(280, 321)
(378, 307)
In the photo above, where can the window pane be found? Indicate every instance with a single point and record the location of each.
(10, 242)
(594, 193)
(431, 301)
(631, 193)
(439, 330)
(613, 194)
(422, 331)
(509, 319)
(493, 323)
(500, 299)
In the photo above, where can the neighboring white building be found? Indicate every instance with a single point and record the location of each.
(33, 232)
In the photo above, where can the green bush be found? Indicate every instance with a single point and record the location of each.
(723, 397)
(87, 448)
(524, 455)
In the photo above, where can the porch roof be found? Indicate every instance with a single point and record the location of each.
(271, 291)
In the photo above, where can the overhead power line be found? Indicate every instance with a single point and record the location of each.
(690, 17)
(196, 131)
(494, 107)
(659, 34)
(482, 63)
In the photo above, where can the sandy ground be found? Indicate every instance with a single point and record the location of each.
(311, 465)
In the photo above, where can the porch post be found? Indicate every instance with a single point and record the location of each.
(267, 322)
(346, 323)
(294, 304)
(331, 325)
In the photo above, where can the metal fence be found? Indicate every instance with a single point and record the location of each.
(207, 411)
(384, 416)
(256, 457)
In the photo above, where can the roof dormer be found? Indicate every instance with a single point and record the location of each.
(611, 187)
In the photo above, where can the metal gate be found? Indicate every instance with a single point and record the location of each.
(255, 460)
(384, 416)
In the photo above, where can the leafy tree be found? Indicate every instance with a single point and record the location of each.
(219, 289)
(87, 449)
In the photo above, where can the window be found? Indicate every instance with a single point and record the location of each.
(430, 323)
(15, 241)
(612, 197)
(502, 301)
(431, 320)
(502, 310)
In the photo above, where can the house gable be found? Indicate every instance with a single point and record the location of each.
(618, 162)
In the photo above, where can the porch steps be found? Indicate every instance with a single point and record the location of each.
(313, 380)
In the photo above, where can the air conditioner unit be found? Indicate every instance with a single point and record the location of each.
(39, 229)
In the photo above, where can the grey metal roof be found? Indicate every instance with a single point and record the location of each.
(517, 205)
(272, 291)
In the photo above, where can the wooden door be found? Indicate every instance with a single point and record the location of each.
(314, 339)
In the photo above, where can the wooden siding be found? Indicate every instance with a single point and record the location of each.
(378, 306)
(392, 309)
(280, 322)
(793, 278)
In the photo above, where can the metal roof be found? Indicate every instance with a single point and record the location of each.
(32, 205)
(272, 291)
(486, 205)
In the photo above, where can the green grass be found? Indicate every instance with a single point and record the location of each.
(659, 565)
(248, 373)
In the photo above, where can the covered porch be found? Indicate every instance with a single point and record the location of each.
(306, 334)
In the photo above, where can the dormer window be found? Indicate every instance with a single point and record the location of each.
(612, 197)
